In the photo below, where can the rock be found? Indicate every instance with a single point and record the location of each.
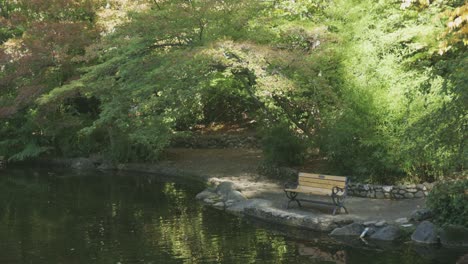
(421, 187)
(381, 223)
(412, 190)
(353, 229)
(379, 195)
(236, 196)
(82, 164)
(224, 188)
(407, 225)
(409, 195)
(230, 203)
(369, 223)
(421, 214)
(402, 221)
(387, 188)
(209, 201)
(419, 194)
(219, 205)
(454, 236)
(426, 233)
(371, 231)
(205, 194)
(388, 233)
(239, 207)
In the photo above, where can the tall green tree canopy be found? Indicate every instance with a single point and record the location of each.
(379, 88)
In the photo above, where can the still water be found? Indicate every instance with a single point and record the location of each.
(53, 216)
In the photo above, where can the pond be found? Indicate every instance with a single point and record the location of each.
(59, 216)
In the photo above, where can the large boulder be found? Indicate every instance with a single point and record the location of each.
(225, 188)
(235, 195)
(239, 207)
(388, 233)
(454, 236)
(353, 229)
(205, 194)
(426, 233)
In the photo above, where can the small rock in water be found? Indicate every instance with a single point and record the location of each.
(387, 233)
(402, 220)
(353, 229)
(380, 223)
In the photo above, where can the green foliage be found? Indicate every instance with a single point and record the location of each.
(394, 123)
(362, 80)
(283, 147)
(447, 200)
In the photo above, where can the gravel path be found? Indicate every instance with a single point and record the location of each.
(239, 166)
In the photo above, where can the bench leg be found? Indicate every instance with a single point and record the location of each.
(338, 200)
(346, 210)
(292, 198)
(339, 209)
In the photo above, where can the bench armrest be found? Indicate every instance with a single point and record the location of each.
(290, 185)
(337, 191)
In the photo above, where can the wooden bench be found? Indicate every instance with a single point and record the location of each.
(322, 185)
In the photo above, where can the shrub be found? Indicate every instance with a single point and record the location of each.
(283, 147)
(448, 201)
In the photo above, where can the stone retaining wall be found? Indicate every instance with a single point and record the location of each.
(390, 191)
(409, 191)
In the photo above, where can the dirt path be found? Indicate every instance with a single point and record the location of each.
(240, 165)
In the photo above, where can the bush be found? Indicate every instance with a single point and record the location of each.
(448, 201)
(283, 147)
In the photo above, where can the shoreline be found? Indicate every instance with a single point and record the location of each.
(246, 195)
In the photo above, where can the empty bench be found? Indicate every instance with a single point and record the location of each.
(321, 185)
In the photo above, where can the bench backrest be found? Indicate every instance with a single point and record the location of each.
(321, 181)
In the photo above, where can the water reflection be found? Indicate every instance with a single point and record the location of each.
(63, 217)
(338, 257)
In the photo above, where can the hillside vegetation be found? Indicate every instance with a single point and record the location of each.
(379, 88)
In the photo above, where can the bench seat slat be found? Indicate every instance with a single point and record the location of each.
(331, 182)
(322, 177)
(317, 185)
(311, 190)
(323, 184)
